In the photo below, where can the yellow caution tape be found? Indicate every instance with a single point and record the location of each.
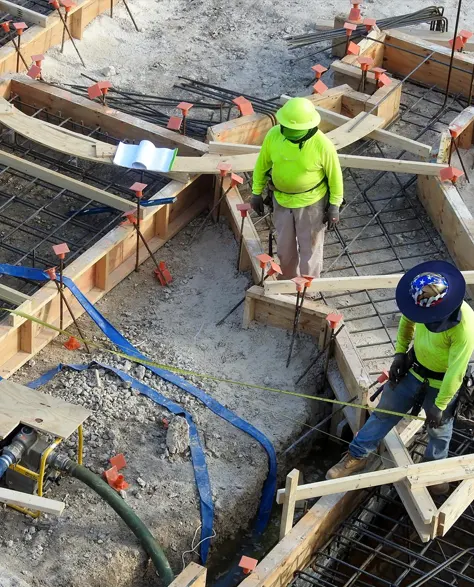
(188, 372)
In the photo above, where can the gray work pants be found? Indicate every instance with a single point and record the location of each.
(300, 238)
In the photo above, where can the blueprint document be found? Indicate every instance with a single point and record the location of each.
(144, 156)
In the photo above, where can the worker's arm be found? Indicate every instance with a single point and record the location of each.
(460, 353)
(262, 167)
(406, 330)
(333, 171)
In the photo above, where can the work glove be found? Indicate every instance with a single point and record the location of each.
(332, 216)
(257, 204)
(434, 416)
(398, 369)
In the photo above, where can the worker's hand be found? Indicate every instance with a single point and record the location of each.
(257, 204)
(398, 369)
(434, 416)
(332, 216)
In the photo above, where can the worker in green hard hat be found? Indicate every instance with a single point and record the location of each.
(302, 169)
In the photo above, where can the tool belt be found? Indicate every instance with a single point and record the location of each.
(464, 411)
(426, 374)
(420, 370)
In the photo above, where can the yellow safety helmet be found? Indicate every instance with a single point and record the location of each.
(298, 114)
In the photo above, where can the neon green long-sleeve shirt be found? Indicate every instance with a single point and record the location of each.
(294, 171)
(444, 352)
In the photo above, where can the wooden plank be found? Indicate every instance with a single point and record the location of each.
(384, 136)
(218, 148)
(385, 102)
(193, 576)
(115, 123)
(398, 61)
(243, 163)
(435, 37)
(48, 414)
(32, 502)
(21, 13)
(353, 103)
(455, 506)
(354, 375)
(8, 294)
(347, 135)
(451, 217)
(288, 512)
(396, 165)
(418, 503)
(351, 75)
(354, 283)
(278, 311)
(55, 137)
(62, 181)
(454, 468)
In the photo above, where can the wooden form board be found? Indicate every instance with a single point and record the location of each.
(418, 475)
(193, 576)
(296, 549)
(246, 163)
(115, 123)
(398, 61)
(55, 137)
(38, 39)
(45, 413)
(32, 502)
(279, 311)
(355, 283)
(22, 14)
(435, 37)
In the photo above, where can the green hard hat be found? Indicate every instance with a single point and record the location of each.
(298, 114)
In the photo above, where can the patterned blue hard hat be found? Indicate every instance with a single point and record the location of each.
(428, 289)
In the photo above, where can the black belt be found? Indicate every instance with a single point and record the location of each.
(422, 371)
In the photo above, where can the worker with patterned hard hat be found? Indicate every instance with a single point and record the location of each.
(303, 173)
(430, 373)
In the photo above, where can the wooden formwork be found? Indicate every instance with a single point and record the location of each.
(402, 54)
(348, 71)
(444, 203)
(38, 39)
(112, 258)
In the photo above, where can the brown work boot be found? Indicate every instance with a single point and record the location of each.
(440, 489)
(346, 466)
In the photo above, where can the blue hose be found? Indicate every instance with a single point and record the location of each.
(5, 461)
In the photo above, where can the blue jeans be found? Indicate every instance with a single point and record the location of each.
(400, 398)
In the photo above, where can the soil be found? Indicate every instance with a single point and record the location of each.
(175, 326)
(240, 46)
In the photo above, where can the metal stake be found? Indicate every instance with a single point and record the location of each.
(64, 300)
(137, 253)
(131, 16)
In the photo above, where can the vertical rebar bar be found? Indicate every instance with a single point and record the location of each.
(453, 50)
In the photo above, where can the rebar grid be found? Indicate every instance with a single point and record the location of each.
(35, 215)
(377, 544)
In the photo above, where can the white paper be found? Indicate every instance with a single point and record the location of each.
(144, 156)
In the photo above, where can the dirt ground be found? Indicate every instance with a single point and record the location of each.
(236, 45)
(176, 327)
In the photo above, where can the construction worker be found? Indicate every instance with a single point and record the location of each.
(306, 181)
(430, 374)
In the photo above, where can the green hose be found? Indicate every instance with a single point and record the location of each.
(128, 516)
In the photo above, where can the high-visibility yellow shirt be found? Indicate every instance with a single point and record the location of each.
(295, 172)
(443, 352)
